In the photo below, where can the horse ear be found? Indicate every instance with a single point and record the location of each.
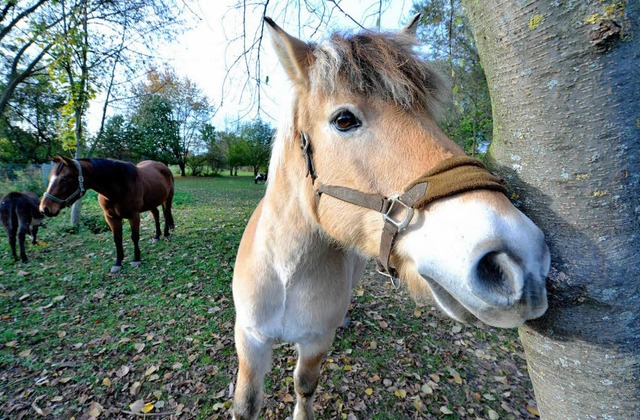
(63, 159)
(294, 54)
(412, 26)
(56, 158)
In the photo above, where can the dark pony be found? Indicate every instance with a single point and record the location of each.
(125, 190)
(260, 178)
(19, 215)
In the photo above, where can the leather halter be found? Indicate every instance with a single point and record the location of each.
(452, 176)
(80, 190)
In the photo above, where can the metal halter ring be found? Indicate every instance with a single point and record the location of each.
(400, 225)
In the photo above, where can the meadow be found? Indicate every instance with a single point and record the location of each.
(79, 342)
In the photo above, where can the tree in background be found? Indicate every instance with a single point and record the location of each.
(155, 132)
(117, 140)
(564, 79)
(216, 155)
(187, 106)
(29, 131)
(256, 144)
(233, 146)
(74, 44)
(445, 30)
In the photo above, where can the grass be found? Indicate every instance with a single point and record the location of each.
(77, 340)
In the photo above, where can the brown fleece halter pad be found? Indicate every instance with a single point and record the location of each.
(456, 175)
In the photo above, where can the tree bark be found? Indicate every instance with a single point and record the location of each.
(564, 79)
(80, 102)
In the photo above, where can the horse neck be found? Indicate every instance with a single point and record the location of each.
(288, 223)
(98, 180)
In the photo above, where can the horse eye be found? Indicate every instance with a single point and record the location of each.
(345, 121)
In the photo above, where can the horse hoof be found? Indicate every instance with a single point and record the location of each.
(135, 264)
(155, 240)
(116, 268)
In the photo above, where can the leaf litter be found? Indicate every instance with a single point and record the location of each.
(159, 340)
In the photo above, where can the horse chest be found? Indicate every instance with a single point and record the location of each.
(301, 305)
(118, 209)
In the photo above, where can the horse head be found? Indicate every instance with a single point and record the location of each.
(66, 185)
(364, 114)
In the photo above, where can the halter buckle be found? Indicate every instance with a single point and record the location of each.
(387, 216)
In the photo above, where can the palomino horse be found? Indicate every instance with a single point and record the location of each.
(125, 190)
(360, 169)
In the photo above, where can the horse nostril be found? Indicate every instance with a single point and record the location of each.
(498, 278)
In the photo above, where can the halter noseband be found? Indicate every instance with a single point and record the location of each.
(454, 175)
(80, 189)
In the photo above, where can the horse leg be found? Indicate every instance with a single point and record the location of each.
(22, 234)
(307, 373)
(115, 224)
(254, 360)
(168, 217)
(11, 234)
(34, 233)
(156, 218)
(134, 222)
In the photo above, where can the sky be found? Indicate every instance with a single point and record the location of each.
(205, 52)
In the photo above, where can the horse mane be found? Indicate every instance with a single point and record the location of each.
(117, 170)
(379, 65)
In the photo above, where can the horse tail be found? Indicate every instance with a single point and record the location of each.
(7, 212)
(166, 206)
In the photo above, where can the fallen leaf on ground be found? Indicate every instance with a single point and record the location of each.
(135, 388)
(137, 406)
(401, 393)
(37, 409)
(533, 410)
(122, 371)
(147, 408)
(95, 409)
(445, 410)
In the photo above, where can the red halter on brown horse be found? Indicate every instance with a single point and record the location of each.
(125, 190)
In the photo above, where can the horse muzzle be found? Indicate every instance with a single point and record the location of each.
(49, 211)
(481, 258)
(501, 292)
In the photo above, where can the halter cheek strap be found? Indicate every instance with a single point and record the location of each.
(80, 191)
(454, 175)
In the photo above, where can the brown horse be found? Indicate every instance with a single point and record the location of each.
(125, 190)
(381, 180)
(19, 215)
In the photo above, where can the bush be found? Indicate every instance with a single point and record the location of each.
(21, 178)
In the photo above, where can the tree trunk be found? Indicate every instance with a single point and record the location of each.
(564, 79)
(80, 103)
